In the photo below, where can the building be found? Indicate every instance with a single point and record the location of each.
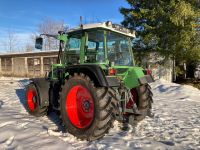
(161, 68)
(37, 64)
(29, 64)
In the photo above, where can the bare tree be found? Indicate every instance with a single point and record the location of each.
(29, 47)
(10, 40)
(49, 26)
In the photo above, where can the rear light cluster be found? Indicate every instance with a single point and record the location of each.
(112, 72)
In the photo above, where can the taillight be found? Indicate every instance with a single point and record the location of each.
(112, 71)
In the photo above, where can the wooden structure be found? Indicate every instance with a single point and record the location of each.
(30, 64)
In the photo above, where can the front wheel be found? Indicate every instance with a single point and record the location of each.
(32, 101)
(86, 111)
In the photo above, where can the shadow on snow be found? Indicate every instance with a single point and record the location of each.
(1, 103)
(53, 116)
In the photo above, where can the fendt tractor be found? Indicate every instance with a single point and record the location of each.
(94, 82)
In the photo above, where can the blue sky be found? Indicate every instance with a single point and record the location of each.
(23, 16)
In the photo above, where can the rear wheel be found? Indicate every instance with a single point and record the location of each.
(142, 96)
(86, 111)
(32, 101)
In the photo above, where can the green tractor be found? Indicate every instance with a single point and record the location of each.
(94, 82)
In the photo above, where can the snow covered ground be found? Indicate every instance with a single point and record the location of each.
(175, 125)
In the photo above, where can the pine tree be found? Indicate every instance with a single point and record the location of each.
(167, 26)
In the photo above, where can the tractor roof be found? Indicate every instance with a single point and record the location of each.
(105, 25)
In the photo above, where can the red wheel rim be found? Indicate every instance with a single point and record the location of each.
(80, 106)
(131, 102)
(31, 98)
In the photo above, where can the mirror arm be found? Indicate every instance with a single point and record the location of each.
(49, 35)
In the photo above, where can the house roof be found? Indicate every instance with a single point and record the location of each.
(30, 54)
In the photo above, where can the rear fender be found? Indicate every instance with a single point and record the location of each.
(95, 73)
(135, 77)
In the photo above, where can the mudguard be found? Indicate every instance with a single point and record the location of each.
(146, 79)
(96, 73)
(42, 85)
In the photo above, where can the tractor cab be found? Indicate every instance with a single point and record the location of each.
(101, 43)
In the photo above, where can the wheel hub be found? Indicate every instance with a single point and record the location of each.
(32, 99)
(80, 106)
(86, 105)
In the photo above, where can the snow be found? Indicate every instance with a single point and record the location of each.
(175, 125)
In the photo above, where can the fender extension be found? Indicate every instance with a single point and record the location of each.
(146, 79)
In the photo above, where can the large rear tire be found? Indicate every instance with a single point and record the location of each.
(87, 112)
(32, 101)
(144, 102)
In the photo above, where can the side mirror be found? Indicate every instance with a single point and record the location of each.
(38, 42)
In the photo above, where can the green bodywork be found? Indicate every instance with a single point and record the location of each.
(129, 77)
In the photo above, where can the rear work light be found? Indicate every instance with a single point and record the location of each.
(112, 71)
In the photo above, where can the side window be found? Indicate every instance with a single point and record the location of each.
(95, 47)
(119, 51)
(73, 50)
(91, 46)
(74, 44)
